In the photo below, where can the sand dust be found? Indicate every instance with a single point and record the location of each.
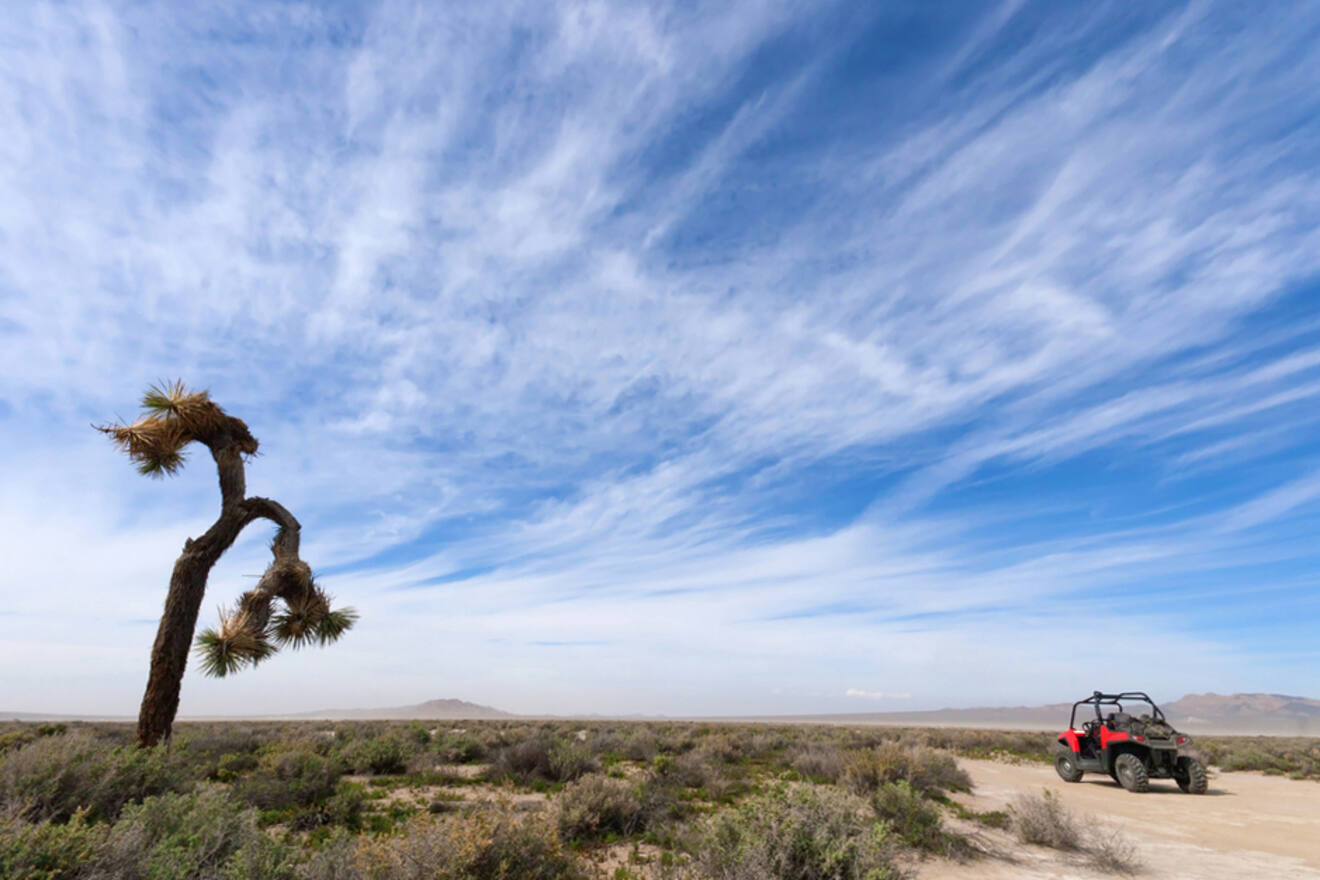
(1247, 826)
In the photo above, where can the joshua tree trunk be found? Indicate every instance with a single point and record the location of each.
(250, 634)
(169, 655)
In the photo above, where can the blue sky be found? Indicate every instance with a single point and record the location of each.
(705, 358)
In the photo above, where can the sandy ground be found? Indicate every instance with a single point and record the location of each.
(1247, 826)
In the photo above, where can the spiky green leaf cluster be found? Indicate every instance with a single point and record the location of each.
(234, 645)
(298, 630)
(239, 642)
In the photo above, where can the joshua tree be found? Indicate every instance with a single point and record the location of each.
(172, 417)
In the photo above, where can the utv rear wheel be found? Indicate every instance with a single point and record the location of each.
(1190, 775)
(1131, 772)
(1066, 764)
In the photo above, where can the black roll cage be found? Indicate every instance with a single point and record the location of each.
(1098, 699)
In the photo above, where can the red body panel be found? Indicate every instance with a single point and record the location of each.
(1108, 736)
(1073, 738)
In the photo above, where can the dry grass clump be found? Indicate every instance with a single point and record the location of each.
(1042, 820)
(486, 845)
(821, 763)
(1110, 852)
(926, 770)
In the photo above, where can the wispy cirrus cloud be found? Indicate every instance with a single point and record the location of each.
(730, 341)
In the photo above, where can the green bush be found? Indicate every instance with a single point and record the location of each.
(597, 806)
(218, 752)
(171, 837)
(47, 851)
(460, 748)
(808, 833)
(50, 778)
(569, 761)
(285, 780)
(378, 754)
(345, 807)
(202, 835)
(913, 819)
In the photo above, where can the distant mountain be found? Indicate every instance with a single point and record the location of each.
(1276, 714)
(32, 717)
(1241, 714)
(431, 710)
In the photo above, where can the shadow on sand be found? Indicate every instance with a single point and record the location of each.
(1158, 787)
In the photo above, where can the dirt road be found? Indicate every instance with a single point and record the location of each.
(1247, 826)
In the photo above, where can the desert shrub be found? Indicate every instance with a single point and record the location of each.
(688, 770)
(15, 739)
(912, 818)
(217, 751)
(48, 851)
(1023, 745)
(1298, 757)
(764, 744)
(597, 806)
(607, 742)
(52, 777)
(818, 762)
(675, 740)
(727, 747)
(477, 846)
(570, 760)
(725, 784)
(1042, 820)
(640, 746)
(230, 767)
(203, 835)
(525, 761)
(377, 754)
(1110, 852)
(344, 808)
(285, 780)
(460, 748)
(807, 833)
(543, 758)
(926, 770)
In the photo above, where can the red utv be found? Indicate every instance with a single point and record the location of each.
(1131, 749)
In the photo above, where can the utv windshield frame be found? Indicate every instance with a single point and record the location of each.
(1098, 699)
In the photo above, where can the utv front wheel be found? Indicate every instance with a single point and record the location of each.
(1131, 772)
(1190, 775)
(1067, 767)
